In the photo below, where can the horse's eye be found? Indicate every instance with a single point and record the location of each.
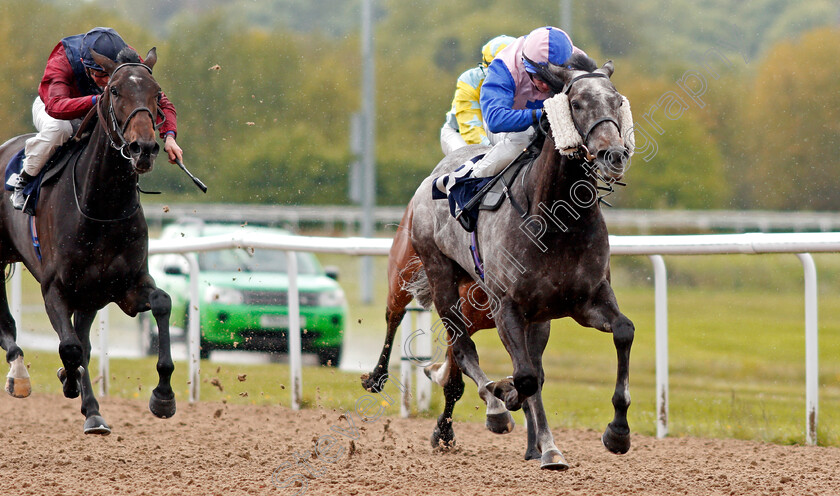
(575, 105)
(114, 91)
(159, 96)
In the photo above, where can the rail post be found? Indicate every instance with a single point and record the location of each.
(660, 277)
(194, 329)
(17, 292)
(104, 361)
(811, 348)
(416, 349)
(294, 331)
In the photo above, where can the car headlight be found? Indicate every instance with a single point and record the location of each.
(332, 298)
(225, 296)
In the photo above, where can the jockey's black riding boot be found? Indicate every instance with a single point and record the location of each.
(17, 198)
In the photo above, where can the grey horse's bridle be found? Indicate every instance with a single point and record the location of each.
(582, 153)
(595, 124)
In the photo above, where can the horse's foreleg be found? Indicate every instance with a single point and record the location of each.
(539, 433)
(617, 436)
(69, 346)
(464, 355)
(525, 380)
(94, 423)
(162, 401)
(144, 297)
(17, 381)
(443, 436)
(603, 314)
(443, 275)
(474, 311)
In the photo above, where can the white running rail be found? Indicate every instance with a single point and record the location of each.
(801, 244)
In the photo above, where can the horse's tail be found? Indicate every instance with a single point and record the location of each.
(418, 284)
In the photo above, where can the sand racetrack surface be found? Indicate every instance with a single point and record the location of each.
(218, 449)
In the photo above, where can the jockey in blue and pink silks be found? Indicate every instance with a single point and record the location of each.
(512, 95)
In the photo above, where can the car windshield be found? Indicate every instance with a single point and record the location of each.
(248, 260)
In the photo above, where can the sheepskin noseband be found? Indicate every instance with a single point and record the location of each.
(567, 139)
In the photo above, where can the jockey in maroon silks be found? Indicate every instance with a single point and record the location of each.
(70, 87)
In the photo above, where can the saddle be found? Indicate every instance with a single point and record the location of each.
(469, 195)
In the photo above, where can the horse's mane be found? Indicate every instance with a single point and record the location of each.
(128, 55)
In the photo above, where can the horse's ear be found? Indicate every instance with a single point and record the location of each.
(608, 68)
(151, 58)
(562, 75)
(106, 63)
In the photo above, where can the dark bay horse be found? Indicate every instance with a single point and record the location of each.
(552, 263)
(93, 237)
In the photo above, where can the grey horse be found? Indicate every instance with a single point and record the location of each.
(548, 262)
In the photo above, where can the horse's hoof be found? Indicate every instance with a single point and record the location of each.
(435, 374)
(161, 407)
(17, 380)
(506, 391)
(71, 390)
(443, 441)
(428, 371)
(499, 423)
(371, 383)
(499, 388)
(19, 388)
(96, 425)
(553, 460)
(615, 442)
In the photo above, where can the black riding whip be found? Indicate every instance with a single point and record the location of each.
(196, 180)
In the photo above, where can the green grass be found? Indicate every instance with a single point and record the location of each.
(737, 359)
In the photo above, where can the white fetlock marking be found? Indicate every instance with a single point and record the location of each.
(441, 375)
(495, 407)
(17, 380)
(18, 369)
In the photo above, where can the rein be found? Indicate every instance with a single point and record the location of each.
(111, 127)
(89, 217)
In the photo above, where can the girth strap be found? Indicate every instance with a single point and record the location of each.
(479, 265)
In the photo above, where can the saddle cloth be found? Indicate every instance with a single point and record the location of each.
(66, 153)
(460, 188)
(13, 171)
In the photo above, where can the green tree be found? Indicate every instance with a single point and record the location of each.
(793, 119)
(687, 170)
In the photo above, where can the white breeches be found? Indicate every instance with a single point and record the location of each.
(52, 133)
(450, 139)
(506, 147)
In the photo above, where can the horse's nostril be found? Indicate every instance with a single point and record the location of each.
(136, 148)
(617, 157)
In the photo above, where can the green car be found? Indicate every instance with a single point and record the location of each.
(244, 297)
